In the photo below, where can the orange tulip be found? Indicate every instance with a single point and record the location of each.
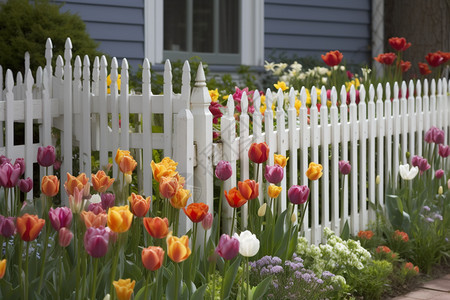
(178, 248)
(332, 58)
(168, 186)
(2, 268)
(162, 170)
(120, 154)
(92, 220)
(119, 218)
(124, 288)
(50, 185)
(152, 258)
(249, 189)
(180, 199)
(29, 227)
(139, 205)
(196, 211)
(101, 182)
(274, 190)
(157, 227)
(127, 165)
(314, 171)
(234, 198)
(258, 153)
(81, 182)
(280, 160)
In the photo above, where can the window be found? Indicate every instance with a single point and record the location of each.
(209, 29)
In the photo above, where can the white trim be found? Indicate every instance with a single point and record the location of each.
(252, 32)
(154, 30)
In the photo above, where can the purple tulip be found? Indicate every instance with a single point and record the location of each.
(345, 167)
(107, 200)
(7, 226)
(9, 175)
(25, 185)
(46, 156)
(65, 237)
(207, 221)
(274, 174)
(60, 217)
(444, 151)
(56, 165)
(439, 173)
(223, 170)
(96, 241)
(4, 159)
(96, 208)
(298, 194)
(21, 163)
(434, 135)
(421, 163)
(228, 247)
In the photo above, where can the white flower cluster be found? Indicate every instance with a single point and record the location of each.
(335, 256)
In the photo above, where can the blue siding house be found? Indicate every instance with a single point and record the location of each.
(227, 32)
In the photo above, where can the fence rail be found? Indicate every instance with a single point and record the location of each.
(374, 135)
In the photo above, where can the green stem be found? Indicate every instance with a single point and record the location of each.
(43, 262)
(232, 221)
(26, 271)
(176, 282)
(221, 195)
(114, 266)
(60, 272)
(177, 221)
(300, 225)
(6, 201)
(227, 263)
(248, 277)
(94, 284)
(289, 209)
(147, 282)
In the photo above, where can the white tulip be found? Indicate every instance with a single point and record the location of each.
(406, 173)
(248, 243)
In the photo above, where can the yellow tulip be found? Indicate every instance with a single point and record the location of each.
(124, 288)
(314, 171)
(274, 190)
(280, 160)
(2, 268)
(119, 218)
(178, 248)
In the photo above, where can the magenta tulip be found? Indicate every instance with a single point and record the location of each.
(96, 241)
(4, 159)
(434, 135)
(439, 173)
(298, 194)
(46, 156)
(207, 221)
(228, 247)
(274, 174)
(9, 175)
(444, 151)
(223, 170)
(7, 226)
(421, 163)
(25, 185)
(65, 237)
(96, 208)
(345, 167)
(20, 162)
(60, 217)
(107, 200)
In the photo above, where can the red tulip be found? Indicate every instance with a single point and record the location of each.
(386, 58)
(332, 58)
(399, 44)
(258, 153)
(423, 68)
(435, 59)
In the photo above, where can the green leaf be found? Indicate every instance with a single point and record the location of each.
(230, 275)
(198, 294)
(261, 288)
(345, 234)
(279, 228)
(400, 205)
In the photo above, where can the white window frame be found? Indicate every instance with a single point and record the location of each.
(251, 31)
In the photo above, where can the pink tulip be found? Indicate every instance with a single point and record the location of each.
(4, 159)
(228, 247)
(223, 170)
(298, 194)
(46, 156)
(65, 237)
(96, 208)
(207, 221)
(434, 135)
(20, 162)
(25, 185)
(345, 167)
(444, 151)
(274, 174)
(107, 200)
(7, 226)
(439, 173)
(96, 241)
(60, 217)
(9, 175)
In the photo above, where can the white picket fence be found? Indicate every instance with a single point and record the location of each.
(374, 137)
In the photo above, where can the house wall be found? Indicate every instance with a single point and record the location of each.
(117, 25)
(310, 28)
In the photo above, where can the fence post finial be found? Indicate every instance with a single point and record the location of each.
(68, 50)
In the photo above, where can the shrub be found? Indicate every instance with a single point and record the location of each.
(25, 26)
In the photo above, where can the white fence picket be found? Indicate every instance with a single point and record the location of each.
(371, 157)
(344, 148)
(411, 120)
(28, 116)
(282, 141)
(324, 146)
(244, 145)
(363, 161)
(316, 232)
(396, 134)
(354, 139)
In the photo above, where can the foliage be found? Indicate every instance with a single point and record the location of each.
(26, 25)
(371, 281)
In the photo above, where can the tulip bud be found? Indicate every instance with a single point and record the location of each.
(20, 162)
(25, 185)
(128, 178)
(107, 200)
(46, 156)
(377, 180)
(262, 210)
(274, 174)
(293, 217)
(439, 173)
(298, 194)
(7, 226)
(65, 237)
(440, 190)
(408, 154)
(344, 167)
(207, 221)
(107, 297)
